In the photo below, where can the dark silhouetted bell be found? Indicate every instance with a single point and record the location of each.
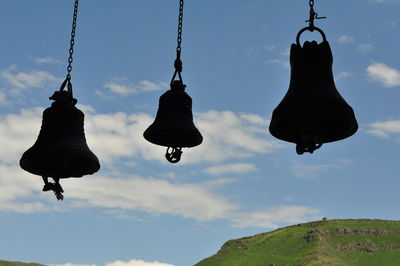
(312, 111)
(60, 150)
(173, 126)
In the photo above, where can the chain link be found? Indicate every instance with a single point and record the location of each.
(72, 41)
(178, 61)
(180, 24)
(313, 16)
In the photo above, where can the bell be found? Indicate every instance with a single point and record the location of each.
(312, 111)
(60, 150)
(173, 126)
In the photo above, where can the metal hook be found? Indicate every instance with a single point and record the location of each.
(313, 16)
(307, 143)
(173, 156)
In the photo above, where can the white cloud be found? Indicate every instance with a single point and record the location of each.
(133, 193)
(24, 80)
(228, 135)
(235, 168)
(345, 39)
(45, 60)
(385, 1)
(3, 98)
(123, 87)
(18, 132)
(384, 129)
(127, 192)
(116, 136)
(286, 52)
(287, 198)
(273, 217)
(137, 263)
(72, 264)
(365, 48)
(312, 171)
(154, 196)
(119, 263)
(17, 188)
(343, 75)
(387, 76)
(283, 63)
(257, 49)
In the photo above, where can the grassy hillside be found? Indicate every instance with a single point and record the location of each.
(14, 263)
(330, 242)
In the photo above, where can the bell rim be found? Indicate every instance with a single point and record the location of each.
(151, 135)
(275, 127)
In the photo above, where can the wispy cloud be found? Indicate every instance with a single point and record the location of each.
(286, 52)
(3, 98)
(235, 168)
(137, 263)
(385, 75)
(343, 39)
(72, 264)
(384, 129)
(122, 87)
(16, 188)
(312, 171)
(365, 48)
(20, 80)
(343, 75)
(386, 1)
(119, 263)
(273, 217)
(134, 193)
(151, 195)
(227, 135)
(280, 62)
(256, 49)
(44, 60)
(116, 136)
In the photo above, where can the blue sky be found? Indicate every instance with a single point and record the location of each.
(140, 210)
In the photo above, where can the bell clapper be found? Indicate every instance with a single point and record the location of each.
(307, 143)
(55, 187)
(173, 156)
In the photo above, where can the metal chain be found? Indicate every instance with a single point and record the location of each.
(180, 24)
(72, 41)
(178, 61)
(313, 16)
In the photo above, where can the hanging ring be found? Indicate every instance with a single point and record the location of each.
(67, 82)
(309, 29)
(64, 84)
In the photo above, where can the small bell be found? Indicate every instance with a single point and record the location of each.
(173, 126)
(60, 150)
(312, 111)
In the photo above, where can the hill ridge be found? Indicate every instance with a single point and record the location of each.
(323, 242)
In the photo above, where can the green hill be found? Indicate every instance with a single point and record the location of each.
(14, 263)
(330, 242)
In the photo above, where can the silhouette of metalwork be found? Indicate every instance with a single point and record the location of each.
(60, 150)
(312, 111)
(173, 126)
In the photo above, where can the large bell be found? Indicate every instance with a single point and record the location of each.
(60, 150)
(312, 111)
(173, 126)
